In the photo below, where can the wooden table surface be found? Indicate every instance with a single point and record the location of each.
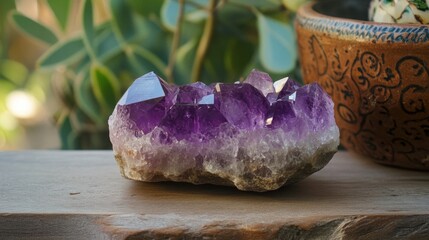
(81, 195)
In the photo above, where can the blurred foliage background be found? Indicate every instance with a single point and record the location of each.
(67, 62)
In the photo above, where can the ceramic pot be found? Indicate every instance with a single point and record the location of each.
(377, 75)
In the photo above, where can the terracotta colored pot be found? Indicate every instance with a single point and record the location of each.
(377, 75)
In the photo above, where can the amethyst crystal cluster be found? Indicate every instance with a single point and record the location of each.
(256, 134)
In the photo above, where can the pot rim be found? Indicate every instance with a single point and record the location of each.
(307, 17)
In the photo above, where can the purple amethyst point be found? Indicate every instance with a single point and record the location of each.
(261, 81)
(193, 93)
(242, 105)
(286, 87)
(146, 102)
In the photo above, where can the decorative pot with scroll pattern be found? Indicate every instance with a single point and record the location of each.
(377, 75)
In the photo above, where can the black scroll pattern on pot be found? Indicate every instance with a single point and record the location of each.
(367, 69)
(417, 129)
(338, 67)
(320, 64)
(358, 74)
(370, 64)
(390, 102)
(413, 99)
(376, 82)
(346, 114)
(367, 90)
(331, 72)
(415, 96)
(319, 55)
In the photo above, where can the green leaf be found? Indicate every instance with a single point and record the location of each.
(197, 16)
(14, 72)
(86, 100)
(420, 4)
(33, 28)
(63, 89)
(65, 130)
(89, 136)
(232, 16)
(61, 10)
(80, 121)
(88, 28)
(105, 87)
(37, 85)
(6, 6)
(118, 63)
(62, 52)
(184, 61)
(106, 43)
(277, 45)
(5, 89)
(106, 46)
(293, 5)
(170, 12)
(266, 4)
(152, 35)
(150, 57)
(238, 54)
(146, 8)
(122, 19)
(82, 63)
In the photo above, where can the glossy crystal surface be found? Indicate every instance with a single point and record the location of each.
(256, 135)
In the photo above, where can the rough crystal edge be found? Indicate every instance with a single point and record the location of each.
(251, 174)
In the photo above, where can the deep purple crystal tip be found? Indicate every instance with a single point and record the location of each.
(186, 112)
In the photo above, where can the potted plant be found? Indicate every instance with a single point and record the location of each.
(181, 40)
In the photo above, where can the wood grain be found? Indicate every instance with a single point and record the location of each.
(81, 195)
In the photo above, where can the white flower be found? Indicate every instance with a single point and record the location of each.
(399, 11)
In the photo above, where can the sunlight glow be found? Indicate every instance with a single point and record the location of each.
(22, 105)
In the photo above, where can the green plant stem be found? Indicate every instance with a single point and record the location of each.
(176, 42)
(204, 42)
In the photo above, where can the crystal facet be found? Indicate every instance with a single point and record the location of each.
(261, 81)
(282, 114)
(193, 93)
(255, 135)
(146, 102)
(241, 104)
(309, 99)
(289, 87)
(191, 122)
